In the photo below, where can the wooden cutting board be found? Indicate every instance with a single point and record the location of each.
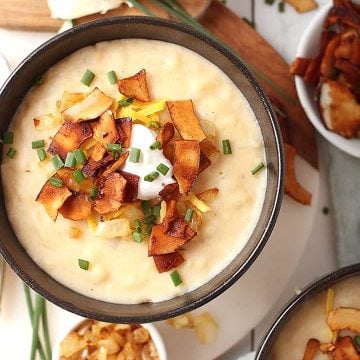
(222, 22)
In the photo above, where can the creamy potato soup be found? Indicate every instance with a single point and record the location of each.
(86, 254)
(310, 322)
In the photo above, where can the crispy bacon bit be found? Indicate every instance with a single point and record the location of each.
(69, 137)
(312, 347)
(135, 86)
(124, 126)
(92, 168)
(345, 349)
(171, 214)
(166, 134)
(168, 261)
(180, 229)
(204, 163)
(69, 181)
(70, 99)
(186, 166)
(111, 193)
(117, 164)
(132, 186)
(210, 150)
(344, 319)
(76, 207)
(105, 129)
(170, 192)
(169, 151)
(53, 197)
(98, 152)
(345, 16)
(299, 66)
(184, 118)
(292, 186)
(327, 68)
(94, 105)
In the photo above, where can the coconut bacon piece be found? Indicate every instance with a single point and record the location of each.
(344, 318)
(111, 193)
(167, 262)
(345, 349)
(124, 126)
(92, 168)
(117, 164)
(186, 165)
(132, 186)
(53, 197)
(312, 347)
(135, 86)
(166, 134)
(94, 105)
(170, 192)
(105, 129)
(184, 118)
(76, 207)
(69, 137)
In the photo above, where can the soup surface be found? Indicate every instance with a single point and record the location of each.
(120, 270)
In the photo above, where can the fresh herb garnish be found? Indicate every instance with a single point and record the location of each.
(226, 147)
(41, 154)
(8, 137)
(78, 175)
(112, 77)
(134, 155)
(56, 182)
(155, 145)
(80, 156)
(11, 153)
(57, 162)
(83, 264)
(146, 207)
(38, 144)
(258, 168)
(93, 193)
(88, 77)
(152, 176)
(189, 214)
(126, 101)
(137, 237)
(70, 160)
(176, 278)
(163, 169)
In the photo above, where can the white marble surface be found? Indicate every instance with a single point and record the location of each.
(283, 31)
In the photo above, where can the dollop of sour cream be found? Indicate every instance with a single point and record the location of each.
(142, 138)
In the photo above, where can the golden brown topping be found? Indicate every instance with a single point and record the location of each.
(66, 176)
(302, 6)
(93, 106)
(170, 192)
(70, 99)
(299, 66)
(327, 68)
(186, 166)
(292, 186)
(98, 152)
(53, 197)
(135, 86)
(184, 118)
(345, 349)
(48, 122)
(344, 318)
(105, 129)
(208, 195)
(76, 207)
(166, 134)
(168, 261)
(117, 164)
(111, 193)
(169, 151)
(209, 150)
(204, 163)
(124, 126)
(132, 185)
(312, 347)
(92, 168)
(69, 137)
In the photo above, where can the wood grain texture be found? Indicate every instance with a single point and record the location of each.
(251, 47)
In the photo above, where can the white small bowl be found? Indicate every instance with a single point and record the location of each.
(309, 48)
(154, 334)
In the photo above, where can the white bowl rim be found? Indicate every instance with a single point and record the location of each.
(350, 146)
(153, 331)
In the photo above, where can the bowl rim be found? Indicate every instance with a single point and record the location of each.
(349, 146)
(278, 190)
(309, 291)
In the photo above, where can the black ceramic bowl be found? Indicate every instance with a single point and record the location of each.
(147, 28)
(325, 282)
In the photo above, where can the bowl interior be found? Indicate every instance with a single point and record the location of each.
(265, 347)
(140, 27)
(309, 48)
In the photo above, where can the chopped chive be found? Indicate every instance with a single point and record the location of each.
(281, 6)
(78, 176)
(93, 193)
(137, 237)
(137, 224)
(111, 75)
(114, 148)
(115, 154)
(39, 80)
(163, 169)
(70, 161)
(269, 2)
(152, 176)
(357, 340)
(126, 101)
(148, 229)
(155, 145)
(189, 215)
(149, 219)
(11, 153)
(226, 147)
(134, 155)
(8, 137)
(175, 277)
(57, 162)
(56, 182)
(146, 207)
(80, 156)
(155, 124)
(88, 77)
(41, 154)
(156, 210)
(83, 264)
(37, 144)
(257, 168)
